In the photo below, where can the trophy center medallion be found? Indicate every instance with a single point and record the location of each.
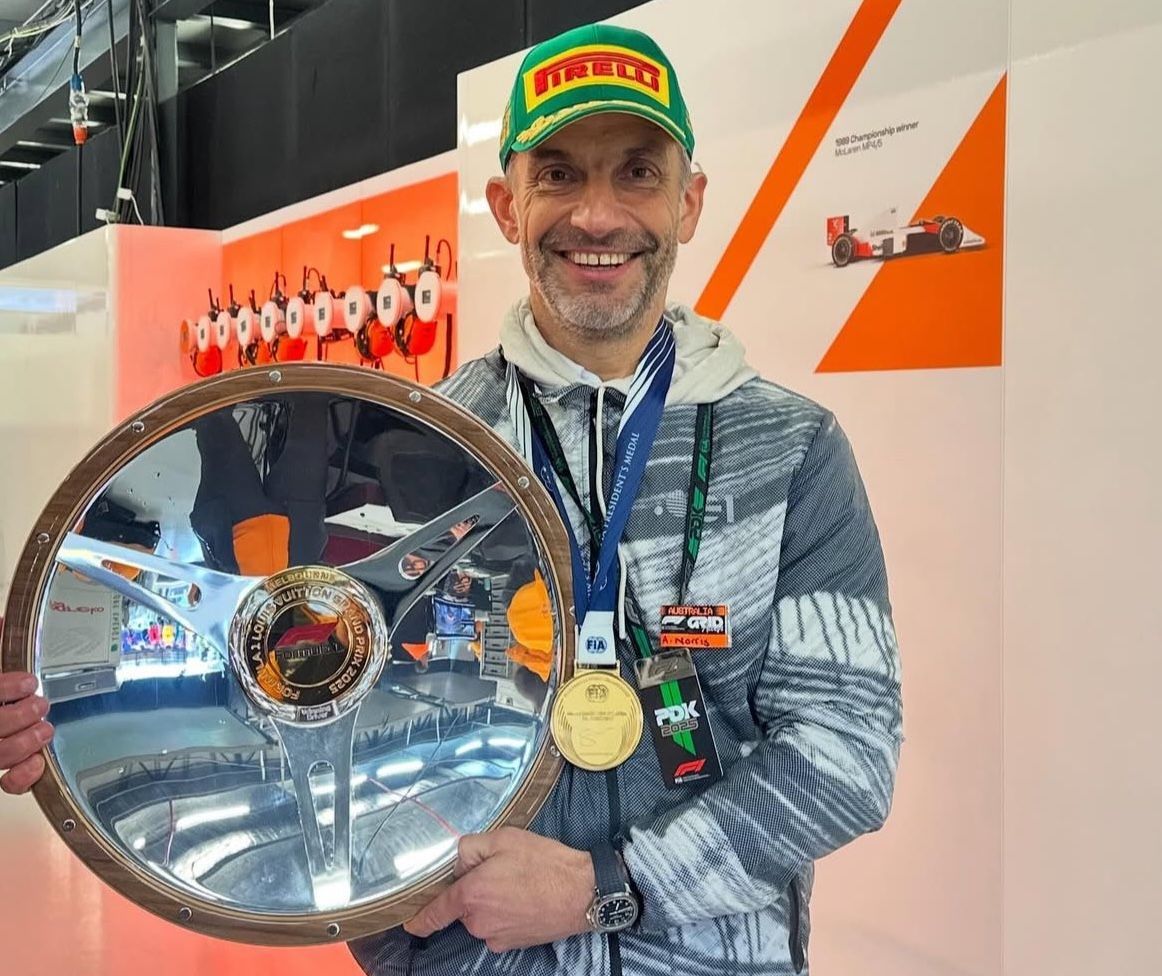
(307, 638)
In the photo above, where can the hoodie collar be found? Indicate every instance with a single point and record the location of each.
(711, 362)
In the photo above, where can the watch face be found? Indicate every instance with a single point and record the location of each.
(617, 912)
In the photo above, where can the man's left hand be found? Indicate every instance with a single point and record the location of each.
(514, 889)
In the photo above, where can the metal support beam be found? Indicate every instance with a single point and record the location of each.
(36, 88)
(255, 11)
(174, 10)
(166, 54)
(28, 154)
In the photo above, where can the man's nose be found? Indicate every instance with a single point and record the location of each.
(597, 213)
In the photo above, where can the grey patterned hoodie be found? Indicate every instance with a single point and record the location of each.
(805, 705)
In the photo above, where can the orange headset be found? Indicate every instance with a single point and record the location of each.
(208, 341)
(433, 298)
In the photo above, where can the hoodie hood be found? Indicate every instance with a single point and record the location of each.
(711, 362)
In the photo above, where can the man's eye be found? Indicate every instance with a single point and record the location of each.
(557, 174)
(641, 171)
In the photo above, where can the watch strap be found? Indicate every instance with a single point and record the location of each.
(608, 870)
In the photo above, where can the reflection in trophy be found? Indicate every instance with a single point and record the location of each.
(335, 659)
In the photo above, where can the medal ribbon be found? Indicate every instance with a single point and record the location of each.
(595, 595)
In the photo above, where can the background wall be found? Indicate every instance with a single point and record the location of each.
(1016, 494)
(147, 303)
(56, 378)
(1083, 477)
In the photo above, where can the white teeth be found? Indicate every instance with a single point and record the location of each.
(594, 260)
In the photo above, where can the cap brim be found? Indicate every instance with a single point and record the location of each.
(584, 110)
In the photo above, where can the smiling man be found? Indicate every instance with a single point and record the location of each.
(689, 484)
(695, 492)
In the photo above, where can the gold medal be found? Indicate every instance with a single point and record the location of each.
(597, 719)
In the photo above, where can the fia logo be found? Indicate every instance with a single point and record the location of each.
(597, 693)
(595, 645)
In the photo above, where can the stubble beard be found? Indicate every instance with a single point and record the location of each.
(597, 313)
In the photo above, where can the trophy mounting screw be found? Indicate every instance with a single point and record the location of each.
(333, 929)
(185, 914)
(43, 538)
(554, 752)
(275, 375)
(69, 826)
(415, 396)
(138, 427)
(522, 482)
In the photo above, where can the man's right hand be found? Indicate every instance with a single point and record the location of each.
(23, 732)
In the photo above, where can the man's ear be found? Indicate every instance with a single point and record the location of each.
(500, 202)
(691, 207)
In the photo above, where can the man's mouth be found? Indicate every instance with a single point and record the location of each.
(599, 263)
(595, 259)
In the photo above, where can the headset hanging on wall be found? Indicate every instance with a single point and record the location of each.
(434, 298)
(227, 321)
(372, 340)
(393, 300)
(205, 355)
(274, 326)
(435, 294)
(221, 329)
(325, 307)
(205, 348)
(300, 312)
(272, 318)
(252, 351)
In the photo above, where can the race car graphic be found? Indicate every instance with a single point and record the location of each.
(885, 237)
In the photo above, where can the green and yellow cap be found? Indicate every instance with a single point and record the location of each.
(591, 69)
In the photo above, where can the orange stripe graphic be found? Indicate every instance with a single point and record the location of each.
(855, 47)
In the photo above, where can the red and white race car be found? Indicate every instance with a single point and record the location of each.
(885, 237)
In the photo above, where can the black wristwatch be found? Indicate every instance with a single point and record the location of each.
(615, 904)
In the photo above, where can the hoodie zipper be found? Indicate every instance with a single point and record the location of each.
(612, 787)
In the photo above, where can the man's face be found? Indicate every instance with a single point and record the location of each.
(598, 211)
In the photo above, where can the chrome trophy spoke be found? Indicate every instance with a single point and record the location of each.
(327, 747)
(468, 524)
(208, 616)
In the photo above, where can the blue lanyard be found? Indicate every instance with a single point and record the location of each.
(636, 432)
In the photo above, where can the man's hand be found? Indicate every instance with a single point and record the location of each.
(514, 889)
(23, 732)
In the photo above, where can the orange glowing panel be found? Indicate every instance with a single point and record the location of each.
(162, 274)
(404, 217)
(318, 242)
(251, 263)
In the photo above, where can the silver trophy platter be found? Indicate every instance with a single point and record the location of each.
(300, 630)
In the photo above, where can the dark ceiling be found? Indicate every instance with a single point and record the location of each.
(206, 36)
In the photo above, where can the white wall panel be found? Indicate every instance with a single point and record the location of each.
(1083, 480)
(57, 363)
